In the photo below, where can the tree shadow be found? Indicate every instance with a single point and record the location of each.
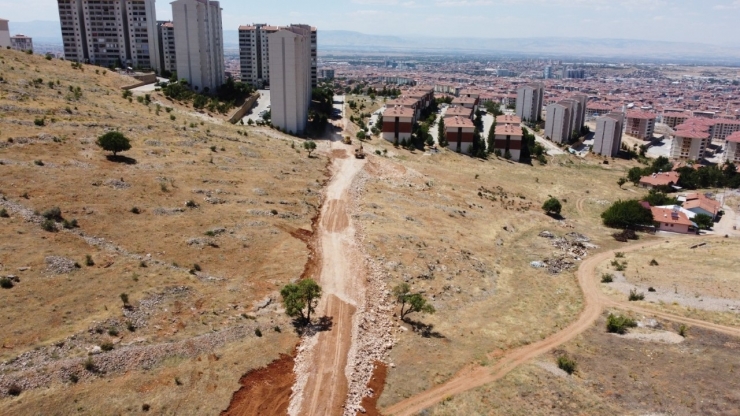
(425, 330)
(555, 216)
(324, 324)
(121, 159)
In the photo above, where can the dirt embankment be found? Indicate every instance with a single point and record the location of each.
(375, 388)
(265, 391)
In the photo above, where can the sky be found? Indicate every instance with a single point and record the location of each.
(702, 21)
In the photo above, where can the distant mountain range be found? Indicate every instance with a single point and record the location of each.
(345, 42)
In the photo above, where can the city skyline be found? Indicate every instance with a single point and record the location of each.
(661, 20)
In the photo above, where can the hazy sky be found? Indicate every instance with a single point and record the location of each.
(707, 21)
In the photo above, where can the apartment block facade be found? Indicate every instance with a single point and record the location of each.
(199, 46)
(110, 32)
(459, 133)
(4, 34)
(529, 102)
(21, 43)
(398, 123)
(732, 150)
(167, 50)
(290, 77)
(557, 125)
(608, 135)
(254, 53)
(640, 124)
(508, 138)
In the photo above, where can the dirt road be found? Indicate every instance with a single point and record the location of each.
(321, 370)
(595, 302)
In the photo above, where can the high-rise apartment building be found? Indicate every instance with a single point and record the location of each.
(640, 124)
(21, 43)
(566, 118)
(608, 136)
(167, 51)
(290, 77)
(110, 32)
(199, 43)
(547, 73)
(529, 102)
(4, 34)
(732, 150)
(254, 53)
(573, 73)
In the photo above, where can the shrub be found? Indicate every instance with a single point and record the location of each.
(135, 210)
(89, 260)
(112, 332)
(4, 213)
(653, 262)
(6, 283)
(196, 267)
(627, 214)
(90, 365)
(682, 330)
(124, 298)
(178, 381)
(49, 225)
(567, 364)
(277, 329)
(74, 378)
(651, 289)
(210, 233)
(552, 206)
(191, 204)
(172, 117)
(607, 278)
(619, 255)
(142, 264)
(619, 324)
(70, 224)
(634, 296)
(258, 332)
(106, 346)
(145, 407)
(40, 121)
(130, 326)
(54, 214)
(15, 390)
(38, 162)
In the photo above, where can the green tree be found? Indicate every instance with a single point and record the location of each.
(627, 214)
(656, 198)
(492, 136)
(661, 164)
(552, 206)
(114, 141)
(441, 137)
(704, 221)
(310, 146)
(635, 174)
(361, 134)
(300, 299)
(621, 182)
(411, 302)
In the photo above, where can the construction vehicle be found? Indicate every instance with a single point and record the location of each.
(359, 153)
(347, 140)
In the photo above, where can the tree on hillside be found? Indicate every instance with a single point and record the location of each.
(414, 301)
(300, 299)
(635, 174)
(704, 221)
(441, 133)
(492, 136)
(621, 182)
(552, 206)
(114, 141)
(310, 146)
(627, 214)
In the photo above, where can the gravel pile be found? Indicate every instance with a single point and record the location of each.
(59, 265)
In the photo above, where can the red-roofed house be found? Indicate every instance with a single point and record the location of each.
(459, 133)
(673, 220)
(659, 179)
(508, 137)
(398, 123)
(701, 204)
(732, 150)
(690, 142)
(458, 111)
(640, 124)
(508, 119)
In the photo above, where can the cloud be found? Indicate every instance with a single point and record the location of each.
(729, 6)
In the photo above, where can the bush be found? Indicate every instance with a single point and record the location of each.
(258, 332)
(114, 141)
(15, 390)
(607, 278)
(567, 364)
(74, 378)
(619, 255)
(135, 210)
(191, 204)
(552, 206)
(89, 260)
(90, 365)
(4, 213)
(112, 332)
(106, 346)
(54, 214)
(6, 283)
(196, 267)
(124, 298)
(619, 324)
(682, 330)
(38, 162)
(634, 296)
(627, 214)
(49, 225)
(70, 224)
(653, 262)
(40, 121)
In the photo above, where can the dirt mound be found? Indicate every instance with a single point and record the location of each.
(265, 391)
(375, 389)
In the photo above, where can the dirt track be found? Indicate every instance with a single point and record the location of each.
(595, 302)
(321, 374)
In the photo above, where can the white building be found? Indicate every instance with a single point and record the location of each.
(254, 53)
(557, 126)
(21, 43)
(608, 136)
(529, 102)
(198, 43)
(732, 151)
(4, 34)
(290, 77)
(110, 32)
(167, 51)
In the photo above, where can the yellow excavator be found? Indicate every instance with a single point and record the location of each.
(359, 152)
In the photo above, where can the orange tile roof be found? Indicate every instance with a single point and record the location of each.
(659, 179)
(669, 216)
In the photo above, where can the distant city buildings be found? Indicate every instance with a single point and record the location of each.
(529, 102)
(4, 34)
(640, 124)
(167, 49)
(254, 53)
(570, 73)
(326, 74)
(547, 73)
(110, 32)
(21, 43)
(608, 135)
(198, 43)
(290, 77)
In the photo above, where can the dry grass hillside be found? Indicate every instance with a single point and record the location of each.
(195, 274)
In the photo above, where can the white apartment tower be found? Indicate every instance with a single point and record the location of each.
(198, 43)
(608, 136)
(21, 43)
(529, 102)
(167, 54)
(557, 125)
(290, 77)
(110, 32)
(254, 53)
(4, 34)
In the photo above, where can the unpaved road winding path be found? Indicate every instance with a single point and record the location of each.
(595, 302)
(322, 384)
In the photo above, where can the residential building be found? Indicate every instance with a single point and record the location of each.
(659, 179)
(691, 139)
(459, 111)
(254, 53)
(529, 102)
(326, 74)
(673, 220)
(467, 102)
(198, 43)
(110, 32)
(167, 49)
(398, 123)
(406, 102)
(675, 117)
(640, 124)
(547, 73)
(573, 73)
(721, 128)
(424, 95)
(557, 125)
(4, 34)
(700, 204)
(21, 43)
(508, 119)
(732, 150)
(608, 135)
(508, 138)
(459, 133)
(290, 77)
(704, 114)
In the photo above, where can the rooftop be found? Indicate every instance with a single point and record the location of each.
(670, 216)
(456, 122)
(660, 179)
(643, 115)
(734, 137)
